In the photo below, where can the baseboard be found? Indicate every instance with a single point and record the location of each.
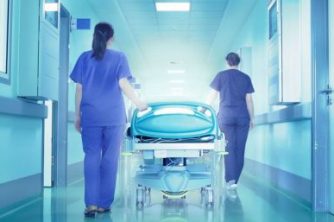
(21, 189)
(74, 172)
(292, 184)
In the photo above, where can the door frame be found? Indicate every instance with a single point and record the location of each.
(331, 110)
(320, 112)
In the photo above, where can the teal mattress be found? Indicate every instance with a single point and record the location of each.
(174, 121)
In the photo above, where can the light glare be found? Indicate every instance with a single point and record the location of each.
(172, 6)
(51, 7)
(176, 71)
(176, 81)
(165, 111)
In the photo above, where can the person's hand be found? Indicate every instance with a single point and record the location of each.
(202, 110)
(142, 106)
(77, 124)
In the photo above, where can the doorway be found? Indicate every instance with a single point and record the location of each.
(55, 126)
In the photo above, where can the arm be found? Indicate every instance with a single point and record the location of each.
(130, 93)
(210, 99)
(78, 97)
(212, 96)
(250, 108)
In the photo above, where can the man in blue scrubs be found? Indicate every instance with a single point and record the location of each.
(101, 75)
(235, 116)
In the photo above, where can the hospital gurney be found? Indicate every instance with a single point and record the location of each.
(168, 135)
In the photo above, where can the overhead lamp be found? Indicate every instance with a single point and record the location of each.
(176, 71)
(177, 89)
(172, 6)
(51, 7)
(176, 81)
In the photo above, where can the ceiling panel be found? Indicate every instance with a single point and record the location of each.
(137, 5)
(208, 6)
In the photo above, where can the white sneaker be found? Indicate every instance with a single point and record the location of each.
(231, 185)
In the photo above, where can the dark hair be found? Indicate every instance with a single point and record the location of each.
(102, 33)
(233, 59)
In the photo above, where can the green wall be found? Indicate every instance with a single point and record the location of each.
(286, 146)
(21, 147)
(20, 137)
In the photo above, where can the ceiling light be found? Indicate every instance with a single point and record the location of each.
(176, 71)
(51, 7)
(176, 81)
(172, 6)
(177, 89)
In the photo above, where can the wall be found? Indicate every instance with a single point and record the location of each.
(279, 148)
(20, 132)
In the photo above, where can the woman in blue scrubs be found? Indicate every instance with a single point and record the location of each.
(101, 75)
(235, 116)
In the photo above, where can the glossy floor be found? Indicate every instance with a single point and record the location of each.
(254, 202)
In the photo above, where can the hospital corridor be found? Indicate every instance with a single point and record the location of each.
(166, 110)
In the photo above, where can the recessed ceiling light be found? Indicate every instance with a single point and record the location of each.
(176, 71)
(172, 6)
(176, 81)
(177, 91)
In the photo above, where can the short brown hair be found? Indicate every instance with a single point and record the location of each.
(233, 59)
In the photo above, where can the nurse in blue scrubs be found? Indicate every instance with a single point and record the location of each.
(101, 76)
(235, 116)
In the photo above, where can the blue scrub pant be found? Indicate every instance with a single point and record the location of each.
(102, 147)
(235, 130)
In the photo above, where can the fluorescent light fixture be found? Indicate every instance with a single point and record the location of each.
(176, 71)
(177, 89)
(176, 81)
(172, 6)
(51, 7)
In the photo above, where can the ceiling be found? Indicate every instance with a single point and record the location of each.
(169, 41)
(171, 33)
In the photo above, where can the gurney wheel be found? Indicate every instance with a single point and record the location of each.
(140, 198)
(208, 196)
(147, 197)
(209, 200)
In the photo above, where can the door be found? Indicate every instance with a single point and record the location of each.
(320, 106)
(331, 107)
(61, 106)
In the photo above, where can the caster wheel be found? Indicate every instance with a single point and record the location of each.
(140, 197)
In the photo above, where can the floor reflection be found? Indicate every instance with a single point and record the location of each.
(253, 202)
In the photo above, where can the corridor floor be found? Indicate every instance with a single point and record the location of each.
(255, 202)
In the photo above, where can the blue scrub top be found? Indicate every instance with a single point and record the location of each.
(233, 85)
(102, 100)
